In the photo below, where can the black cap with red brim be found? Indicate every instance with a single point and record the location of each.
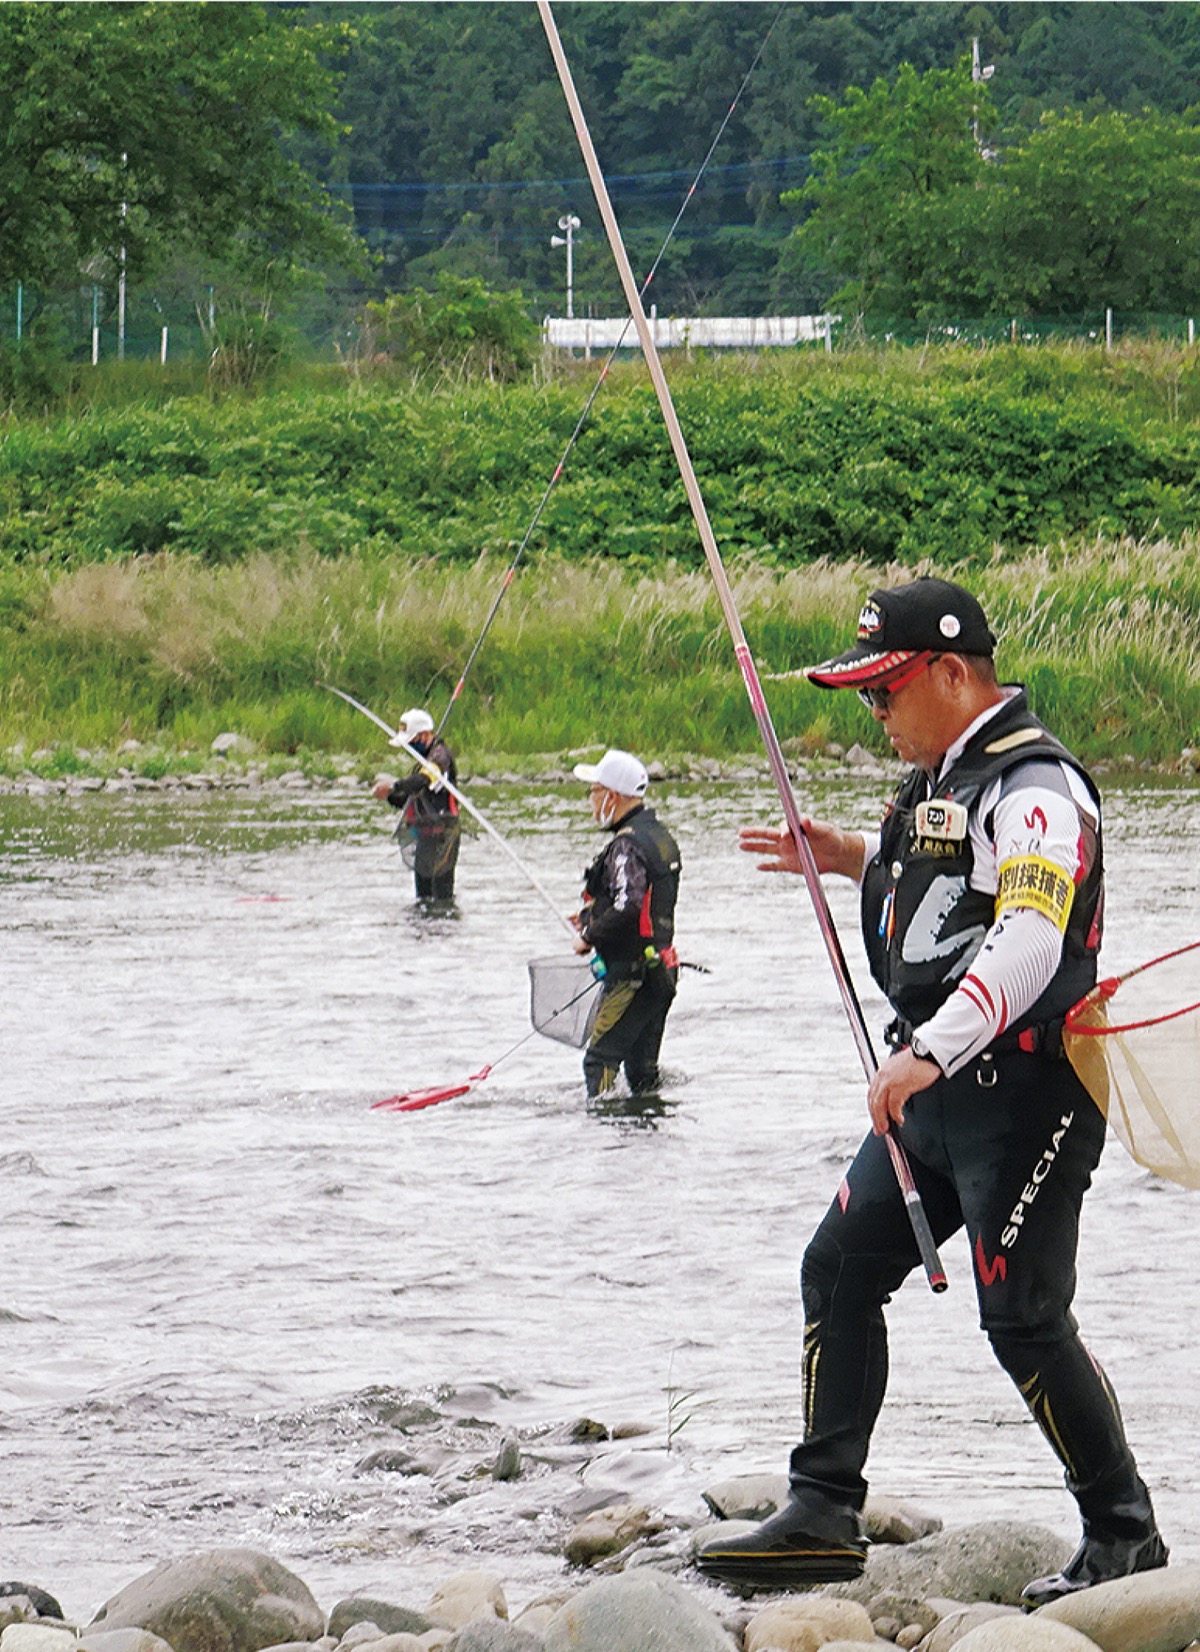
(927, 616)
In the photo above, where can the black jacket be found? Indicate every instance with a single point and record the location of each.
(909, 874)
(414, 795)
(630, 891)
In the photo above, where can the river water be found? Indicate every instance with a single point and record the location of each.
(227, 1281)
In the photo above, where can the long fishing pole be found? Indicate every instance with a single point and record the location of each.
(518, 557)
(762, 716)
(436, 778)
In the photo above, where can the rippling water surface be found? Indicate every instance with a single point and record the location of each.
(227, 1282)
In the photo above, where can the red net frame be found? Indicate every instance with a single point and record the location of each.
(1098, 997)
(1138, 1059)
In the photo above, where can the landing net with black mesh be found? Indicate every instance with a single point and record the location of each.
(1134, 1040)
(564, 997)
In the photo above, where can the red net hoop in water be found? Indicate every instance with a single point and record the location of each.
(1134, 1041)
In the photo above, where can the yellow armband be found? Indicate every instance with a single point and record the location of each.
(1028, 880)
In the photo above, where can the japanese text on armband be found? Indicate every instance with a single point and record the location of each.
(1028, 880)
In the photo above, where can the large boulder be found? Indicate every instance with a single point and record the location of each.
(632, 1613)
(891, 1520)
(747, 1496)
(223, 1600)
(993, 1560)
(1149, 1612)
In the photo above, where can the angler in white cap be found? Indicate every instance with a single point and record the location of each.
(429, 820)
(628, 919)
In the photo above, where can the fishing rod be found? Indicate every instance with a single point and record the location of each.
(438, 779)
(762, 716)
(510, 573)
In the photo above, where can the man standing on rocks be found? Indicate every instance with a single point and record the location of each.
(628, 919)
(981, 913)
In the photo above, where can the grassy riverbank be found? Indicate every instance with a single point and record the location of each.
(174, 563)
(171, 652)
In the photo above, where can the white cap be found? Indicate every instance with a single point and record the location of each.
(618, 771)
(413, 722)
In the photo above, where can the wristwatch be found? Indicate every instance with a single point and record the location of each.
(921, 1050)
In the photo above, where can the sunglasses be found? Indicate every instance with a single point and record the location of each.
(878, 699)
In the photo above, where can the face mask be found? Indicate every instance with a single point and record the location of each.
(608, 812)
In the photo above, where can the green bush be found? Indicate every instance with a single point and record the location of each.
(461, 329)
(797, 459)
(35, 374)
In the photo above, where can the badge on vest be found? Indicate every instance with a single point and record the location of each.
(940, 825)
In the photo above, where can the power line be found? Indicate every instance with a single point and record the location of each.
(736, 170)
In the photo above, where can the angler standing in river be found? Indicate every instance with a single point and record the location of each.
(430, 814)
(981, 912)
(628, 919)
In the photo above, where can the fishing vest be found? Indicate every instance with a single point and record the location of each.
(427, 804)
(917, 889)
(656, 919)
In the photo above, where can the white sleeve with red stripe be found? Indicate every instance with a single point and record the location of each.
(1021, 951)
(1011, 970)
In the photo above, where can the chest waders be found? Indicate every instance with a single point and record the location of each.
(639, 958)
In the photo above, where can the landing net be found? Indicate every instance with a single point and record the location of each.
(564, 997)
(1135, 1043)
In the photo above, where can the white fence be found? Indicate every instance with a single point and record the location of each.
(731, 332)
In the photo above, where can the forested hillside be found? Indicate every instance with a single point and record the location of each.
(459, 154)
(211, 162)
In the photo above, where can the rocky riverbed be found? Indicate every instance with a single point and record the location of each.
(234, 763)
(628, 1585)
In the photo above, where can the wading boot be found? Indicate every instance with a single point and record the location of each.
(1096, 1560)
(805, 1543)
(1120, 1537)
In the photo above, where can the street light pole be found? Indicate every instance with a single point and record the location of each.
(568, 223)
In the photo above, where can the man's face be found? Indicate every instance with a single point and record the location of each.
(919, 719)
(599, 797)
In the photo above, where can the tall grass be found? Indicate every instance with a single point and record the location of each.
(168, 650)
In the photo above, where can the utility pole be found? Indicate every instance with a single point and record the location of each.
(121, 276)
(568, 223)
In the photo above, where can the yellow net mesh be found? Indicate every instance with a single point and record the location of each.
(1135, 1043)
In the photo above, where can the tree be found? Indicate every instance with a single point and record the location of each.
(154, 127)
(911, 222)
(895, 157)
(1088, 213)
